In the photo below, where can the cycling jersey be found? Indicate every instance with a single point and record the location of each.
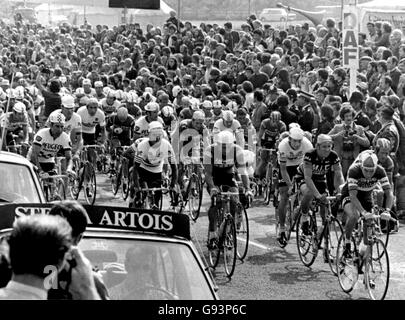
(89, 122)
(127, 128)
(187, 134)
(270, 132)
(49, 145)
(320, 167)
(235, 129)
(80, 92)
(142, 125)
(152, 158)
(108, 109)
(290, 156)
(74, 123)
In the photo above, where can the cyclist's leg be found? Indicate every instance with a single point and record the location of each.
(282, 207)
(262, 165)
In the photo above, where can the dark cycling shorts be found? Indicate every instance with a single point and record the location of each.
(320, 185)
(365, 198)
(47, 167)
(152, 179)
(222, 178)
(89, 138)
(291, 170)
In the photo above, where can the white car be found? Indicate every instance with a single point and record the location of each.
(276, 14)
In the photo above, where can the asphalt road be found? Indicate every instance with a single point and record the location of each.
(270, 272)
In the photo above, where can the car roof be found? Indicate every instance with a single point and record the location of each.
(14, 158)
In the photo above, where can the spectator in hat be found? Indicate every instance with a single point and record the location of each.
(307, 114)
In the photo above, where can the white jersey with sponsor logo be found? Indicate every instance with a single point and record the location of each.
(289, 155)
(152, 158)
(89, 122)
(141, 125)
(49, 145)
(236, 129)
(80, 92)
(74, 123)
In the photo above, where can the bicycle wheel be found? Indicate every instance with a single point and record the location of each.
(377, 271)
(91, 187)
(115, 180)
(194, 196)
(229, 246)
(126, 189)
(46, 191)
(333, 235)
(382, 231)
(267, 191)
(307, 243)
(242, 232)
(346, 268)
(61, 189)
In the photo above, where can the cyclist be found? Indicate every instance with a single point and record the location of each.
(249, 132)
(120, 127)
(16, 125)
(312, 176)
(149, 156)
(142, 124)
(169, 119)
(85, 90)
(206, 107)
(92, 116)
(73, 125)
(269, 133)
(229, 123)
(220, 161)
(47, 143)
(363, 176)
(109, 104)
(193, 138)
(291, 151)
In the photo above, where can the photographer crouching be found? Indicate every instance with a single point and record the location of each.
(348, 138)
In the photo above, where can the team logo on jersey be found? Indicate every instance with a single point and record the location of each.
(38, 138)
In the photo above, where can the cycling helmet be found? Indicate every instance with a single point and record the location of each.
(225, 137)
(296, 133)
(68, 101)
(122, 113)
(19, 93)
(155, 130)
(111, 94)
(217, 104)
(293, 125)
(119, 95)
(167, 111)
(34, 91)
(383, 144)
(322, 138)
(194, 104)
(84, 100)
(19, 107)
(368, 159)
(207, 104)
(131, 97)
(275, 116)
(228, 115)
(57, 118)
(232, 105)
(152, 106)
(98, 84)
(86, 82)
(176, 90)
(198, 115)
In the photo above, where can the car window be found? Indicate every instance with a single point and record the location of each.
(153, 270)
(17, 184)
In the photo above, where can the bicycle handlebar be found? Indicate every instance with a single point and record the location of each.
(93, 146)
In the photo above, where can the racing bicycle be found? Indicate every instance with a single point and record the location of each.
(227, 238)
(270, 182)
(85, 177)
(146, 198)
(368, 254)
(310, 241)
(120, 176)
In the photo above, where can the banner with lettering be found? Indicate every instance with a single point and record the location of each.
(132, 219)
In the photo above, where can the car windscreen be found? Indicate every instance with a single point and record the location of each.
(147, 270)
(17, 184)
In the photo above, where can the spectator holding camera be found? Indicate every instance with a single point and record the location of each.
(348, 137)
(37, 245)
